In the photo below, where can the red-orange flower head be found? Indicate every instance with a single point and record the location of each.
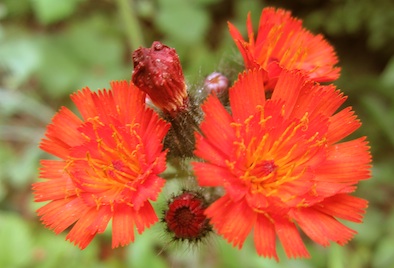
(281, 163)
(281, 41)
(108, 168)
(185, 218)
(158, 72)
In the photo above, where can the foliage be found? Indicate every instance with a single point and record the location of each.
(49, 49)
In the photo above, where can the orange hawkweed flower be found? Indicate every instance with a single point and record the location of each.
(108, 168)
(281, 163)
(282, 42)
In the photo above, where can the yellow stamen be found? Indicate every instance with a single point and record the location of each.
(116, 167)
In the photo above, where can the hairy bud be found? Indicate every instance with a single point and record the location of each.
(158, 72)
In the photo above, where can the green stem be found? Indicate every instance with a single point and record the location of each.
(336, 258)
(132, 26)
(381, 117)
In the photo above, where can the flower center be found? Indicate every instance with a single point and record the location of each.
(184, 217)
(107, 165)
(273, 152)
(264, 168)
(263, 175)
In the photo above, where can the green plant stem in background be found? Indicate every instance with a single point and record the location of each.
(132, 26)
(381, 116)
(335, 257)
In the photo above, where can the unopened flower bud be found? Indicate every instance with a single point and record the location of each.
(185, 218)
(158, 72)
(216, 82)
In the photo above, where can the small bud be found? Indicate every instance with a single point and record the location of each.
(158, 72)
(185, 217)
(216, 82)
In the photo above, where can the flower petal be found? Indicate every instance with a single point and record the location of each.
(210, 152)
(343, 206)
(82, 233)
(342, 125)
(247, 94)
(219, 135)
(209, 175)
(57, 185)
(61, 214)
(265, 238)
(145, 217)
(148, 190)
(290, 239)
(346, 162)
(126, 96)
(84, 102)
(123, 223)
(62, 133)
(233, 220)
(322, 228)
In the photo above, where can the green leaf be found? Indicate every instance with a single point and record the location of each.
(50, 11)
(75, 59)
(384, 256)
(183, 20)
(19, 56)
(242, 8)
(380, 113)
(59, 70)
(142, 252)
(387, 76)
(6, 159)
(16, 8)
(208, 2)
(16, 241)
(367, 233)
(14, 102)
(55, 251)
(336, 258)
(203, 59)
(24, 169)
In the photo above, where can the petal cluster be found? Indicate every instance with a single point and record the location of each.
(108, 166)
(281, 163)
(282, 42)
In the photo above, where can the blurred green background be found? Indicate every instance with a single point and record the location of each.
(50, 48)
